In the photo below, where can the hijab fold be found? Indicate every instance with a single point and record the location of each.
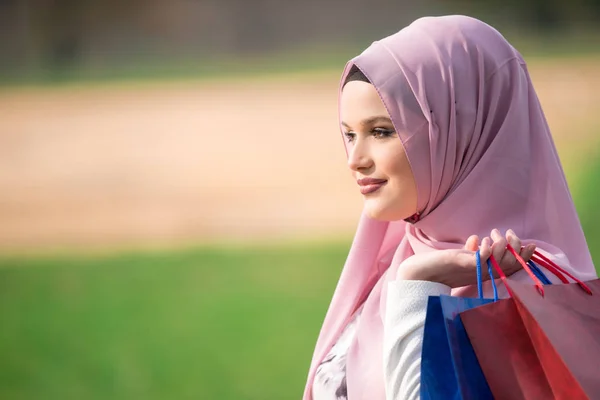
(462, 102)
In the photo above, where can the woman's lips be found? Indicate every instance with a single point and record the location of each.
(370, 185)
(371, 188)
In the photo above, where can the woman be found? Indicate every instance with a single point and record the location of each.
(450, 148)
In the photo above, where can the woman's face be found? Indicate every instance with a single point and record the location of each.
(376, 156)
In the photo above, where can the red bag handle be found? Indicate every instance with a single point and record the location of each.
(542, 260)
(554, 268)
(548, 267)
(538, 284)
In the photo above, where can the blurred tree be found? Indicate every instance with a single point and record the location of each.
(60, 30)
(61, 34)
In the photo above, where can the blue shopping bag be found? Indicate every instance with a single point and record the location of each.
(449, 366)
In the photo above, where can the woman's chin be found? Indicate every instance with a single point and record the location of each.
(380, 212)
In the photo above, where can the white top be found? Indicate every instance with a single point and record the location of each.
(406, 308)
(403, 327)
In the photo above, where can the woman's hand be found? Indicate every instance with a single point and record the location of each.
(457, 267)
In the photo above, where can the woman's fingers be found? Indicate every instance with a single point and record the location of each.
(485, 252)
(486, 248)
(496, 245)
(499, 245)
(513, 240)
(472, 243)
(527, 252)
(509, 261)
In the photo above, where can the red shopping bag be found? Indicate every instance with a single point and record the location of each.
(543, 342)
(563, 322)
(505, 352)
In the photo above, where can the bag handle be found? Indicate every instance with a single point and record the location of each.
(538, 284)
(555, 269)
(480, 280)
(548, 267)
(539, 273)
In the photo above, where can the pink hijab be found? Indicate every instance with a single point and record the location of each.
(483, 158)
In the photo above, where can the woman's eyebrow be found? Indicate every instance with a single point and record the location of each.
(371, 121)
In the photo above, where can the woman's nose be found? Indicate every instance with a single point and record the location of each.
(358, 157)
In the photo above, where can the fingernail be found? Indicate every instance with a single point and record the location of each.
(511, 232)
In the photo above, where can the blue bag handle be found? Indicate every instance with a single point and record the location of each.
(539, 273)
(479, 278)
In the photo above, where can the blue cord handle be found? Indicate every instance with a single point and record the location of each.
(539, 273)
(479, 283)
(479, 277)
(489, 264)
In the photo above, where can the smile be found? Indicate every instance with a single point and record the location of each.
(371, 188)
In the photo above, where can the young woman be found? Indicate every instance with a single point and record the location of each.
(451, 151)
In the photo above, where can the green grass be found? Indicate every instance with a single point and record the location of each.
(586, 196)
(197, 324)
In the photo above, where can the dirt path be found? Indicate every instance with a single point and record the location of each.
(203, 161)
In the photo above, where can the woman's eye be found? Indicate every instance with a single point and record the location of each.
(349, 136)
(381, 133)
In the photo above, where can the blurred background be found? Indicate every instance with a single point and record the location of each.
(174, 203)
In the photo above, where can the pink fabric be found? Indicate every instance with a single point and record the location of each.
(483, 158)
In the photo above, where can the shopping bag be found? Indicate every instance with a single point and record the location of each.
(563, 322)
(543, 341)
(505, 352)
(449, 366)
